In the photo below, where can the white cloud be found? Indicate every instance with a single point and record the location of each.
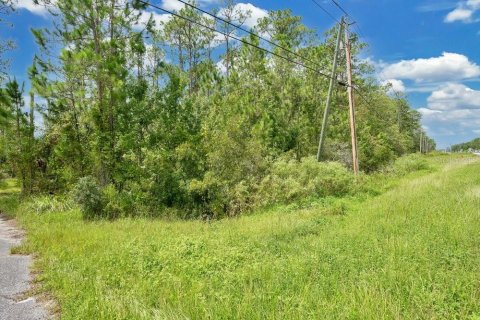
(32, 7)
(175, 5)
(424, 88)
(454, 96)
(159, 19)
(453, 123)
(462, 118)
(377, 64)
(172, 5)
(428, 112)
(474, 4)
(463, 12)
(436, 5)
(394, 85)
(221, 66)
(453, 110)
(256, 13)
(459, 14)
(447, 67)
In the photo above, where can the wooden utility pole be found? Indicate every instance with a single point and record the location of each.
(351, 102)
(333, 79)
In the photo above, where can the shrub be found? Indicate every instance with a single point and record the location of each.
(409, 163)
(88, 196)
(113, 207)
(213, 198)
(291, 180)
(242, 198)
(163, 181)
(208, 197)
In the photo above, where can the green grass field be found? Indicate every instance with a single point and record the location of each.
(412, 252)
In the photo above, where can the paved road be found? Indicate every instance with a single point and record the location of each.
(14, 280)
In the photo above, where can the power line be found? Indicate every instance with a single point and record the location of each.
(340, 7)
(386, 82)
(262, 49)
(359, 30)
(241, 40)
(325, 10)
(369, 103)
(248, 31)
(356, 26)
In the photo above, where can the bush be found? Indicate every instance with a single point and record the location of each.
(113, 206)
(88, 196)
(409, 163)
(208, 197)
(213, 198)
(291, 180)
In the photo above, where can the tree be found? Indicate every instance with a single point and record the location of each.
(471, 145)
(143, 108)
(96, 34)
(6, 7)
(232, 13)
(17, 135)
(192, 42)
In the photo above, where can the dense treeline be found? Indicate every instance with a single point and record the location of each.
(140, 116)
(471, 145)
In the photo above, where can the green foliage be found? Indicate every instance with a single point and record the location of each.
(9, 185)
(113, 207)
(410, 163)
(462, 147)
(291, 180)
(6, 8)
(350, 258)
(163, 129)
(88, 195)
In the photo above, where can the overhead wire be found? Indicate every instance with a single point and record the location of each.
(242, 41)
(247, 31)
(360, 33)
(354, 23)
(340, 7)
(325, 10)
(357, 27)
(251, 44)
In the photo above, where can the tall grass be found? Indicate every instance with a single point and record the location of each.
(9, 186)
(409, 253)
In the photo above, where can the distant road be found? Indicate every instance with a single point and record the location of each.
(15, 279)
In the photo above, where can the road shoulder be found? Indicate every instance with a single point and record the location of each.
(15, 278)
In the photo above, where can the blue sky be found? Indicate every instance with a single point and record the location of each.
(428, 49)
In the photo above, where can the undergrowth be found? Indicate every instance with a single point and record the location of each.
(406, 250)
